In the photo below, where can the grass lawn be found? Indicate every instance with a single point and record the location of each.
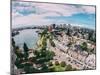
(58, 68)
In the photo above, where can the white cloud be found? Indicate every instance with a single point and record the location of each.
(89, 9)
(30, 20)
(43, 10)
(64, 9)
(61, 9)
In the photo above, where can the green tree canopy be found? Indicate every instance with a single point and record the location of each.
(13, 42)
(68, 68)
(26, 54)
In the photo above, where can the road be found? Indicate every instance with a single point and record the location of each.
(62, 56)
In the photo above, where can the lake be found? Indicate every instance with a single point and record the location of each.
(29, 36)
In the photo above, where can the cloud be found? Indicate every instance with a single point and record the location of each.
(23, 8)
(89, 9)
(30, 20)
(28, 13)
(60, 9)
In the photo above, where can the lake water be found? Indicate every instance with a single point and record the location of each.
(29, 36)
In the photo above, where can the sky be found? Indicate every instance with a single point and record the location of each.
(36, 13)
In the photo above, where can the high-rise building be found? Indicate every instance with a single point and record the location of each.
(50, 28)
(53, 25)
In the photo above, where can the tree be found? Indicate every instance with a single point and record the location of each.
(13, 42)
(90, 35)
(45, 68)
(18, 63)
(43, 56)
(50, 64)
(20, 55)
(16, 49)
(25, 47)
(44, 32)
(68, 68)
(52, 43)
(56, 63)
(69, 44)
(63, 64)
(68, 32)
(49, 55)
(28, 68)
(74, 69)
(84, 46)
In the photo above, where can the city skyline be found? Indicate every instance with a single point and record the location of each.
(36, 13)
